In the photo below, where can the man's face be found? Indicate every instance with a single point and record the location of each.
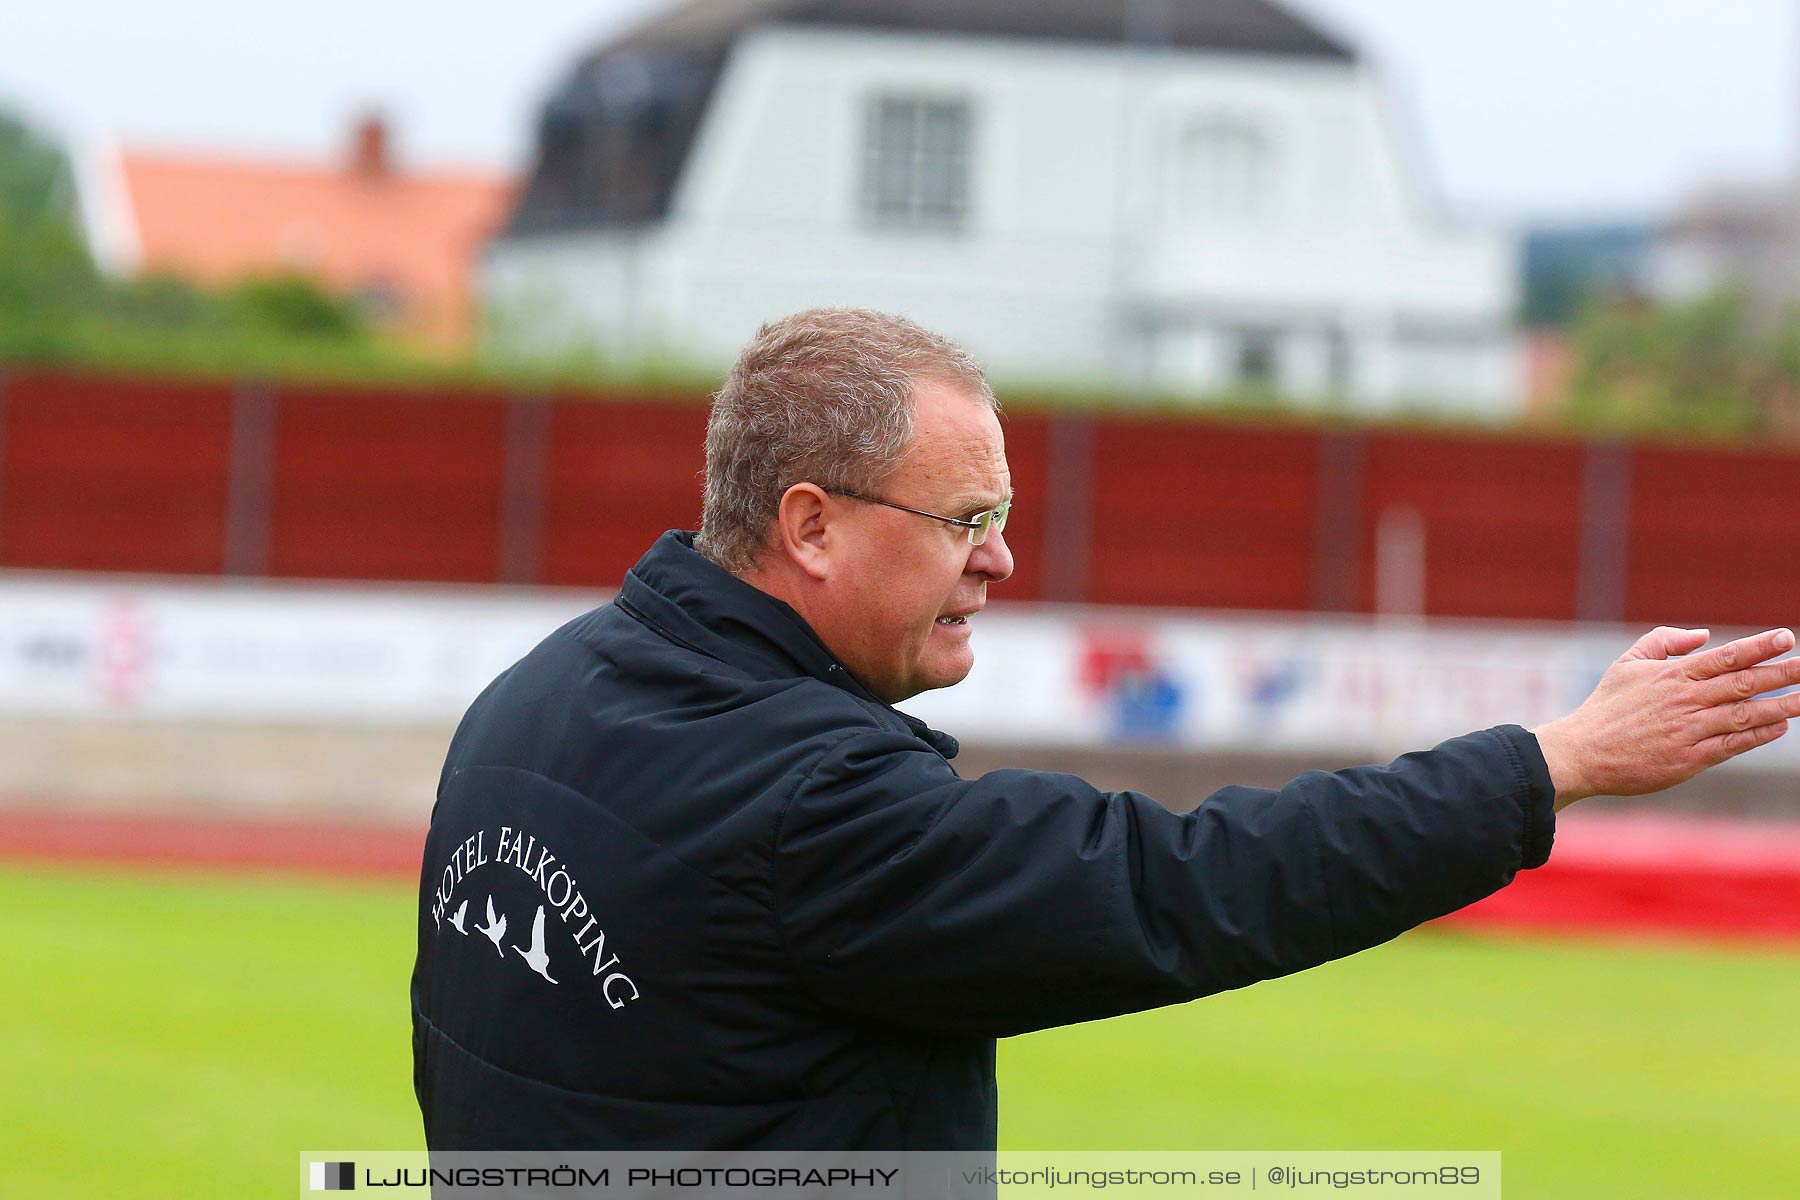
(912, 585)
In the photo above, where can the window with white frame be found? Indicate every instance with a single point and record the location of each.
(1223, 171)
(916, 162)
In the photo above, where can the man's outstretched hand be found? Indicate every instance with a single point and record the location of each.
(1655, 720)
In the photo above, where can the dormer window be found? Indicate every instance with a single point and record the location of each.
(1223, 171)
(916, 162)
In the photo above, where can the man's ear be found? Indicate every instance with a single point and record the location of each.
(802, 529)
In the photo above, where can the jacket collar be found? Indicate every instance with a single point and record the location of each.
(696, 603)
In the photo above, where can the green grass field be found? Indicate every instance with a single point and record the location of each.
(169, 1035)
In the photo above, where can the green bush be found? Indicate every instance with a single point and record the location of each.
(1711, 367)
(57, 307)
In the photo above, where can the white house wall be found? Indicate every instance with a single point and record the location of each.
(1073, 264)
(771, 214)
(104, 204)
(570, 293)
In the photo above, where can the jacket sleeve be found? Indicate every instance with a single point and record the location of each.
(1025, 899)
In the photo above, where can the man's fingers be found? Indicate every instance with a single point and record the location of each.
(1751, 714)
(1754, 681)
(1735, 656)
(1716, 750)
(1665, 641)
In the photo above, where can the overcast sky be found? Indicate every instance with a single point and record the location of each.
(1519, 109)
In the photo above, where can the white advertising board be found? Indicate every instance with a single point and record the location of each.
(262, 653)
(1045, 675)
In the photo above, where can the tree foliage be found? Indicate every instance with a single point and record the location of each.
(56, 306)
(1714, 367)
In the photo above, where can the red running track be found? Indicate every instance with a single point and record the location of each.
(1610, 872)
(213, 843)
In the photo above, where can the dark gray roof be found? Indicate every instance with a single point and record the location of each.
(613, 137)
(1256, 26)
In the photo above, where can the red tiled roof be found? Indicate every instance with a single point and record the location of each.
(411, 236)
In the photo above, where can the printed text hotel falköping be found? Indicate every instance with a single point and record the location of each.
(562, 898)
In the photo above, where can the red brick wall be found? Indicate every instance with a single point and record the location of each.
(1211, 516)
(113, 475)
(1501, 519)
(1714, 537)
(370, 485)
(617, 475)
(361, 483)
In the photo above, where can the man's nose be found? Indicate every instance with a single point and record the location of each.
(993, 558)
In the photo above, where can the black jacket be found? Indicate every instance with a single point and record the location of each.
(776, 918)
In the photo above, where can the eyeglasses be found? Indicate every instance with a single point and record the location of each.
(978, 525)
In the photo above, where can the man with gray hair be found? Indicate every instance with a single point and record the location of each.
(766, 913)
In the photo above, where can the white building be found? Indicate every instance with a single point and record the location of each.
(1744, 239)
(1189, 196)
